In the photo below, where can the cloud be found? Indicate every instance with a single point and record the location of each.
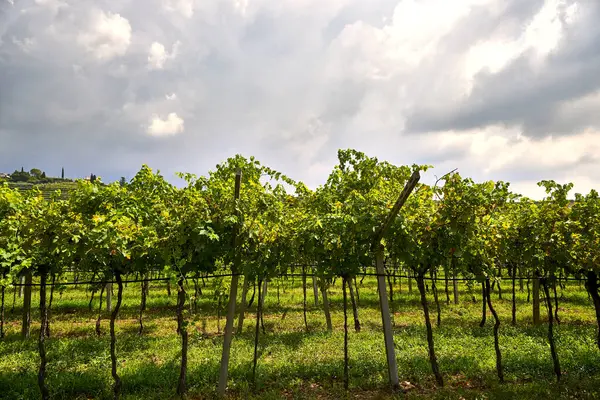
(26, 45)
(501, 89)
(170, 126)
(108, 36)
(183, 7)
(526, 79)
(158, 56)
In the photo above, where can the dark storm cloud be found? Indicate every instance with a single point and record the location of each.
(521, 95)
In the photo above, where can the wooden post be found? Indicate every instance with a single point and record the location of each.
(264, 292)
(232, 298)
(521, 281)
(378, 249)
(27, 305)
(346, 379)
(454, 279)
(399, 271)
(499, 281)
(42, 338)
(315, 291)
(243, 306)
(386, 320)
(354, 306)
(326, 309)
(304, 298)
(109, 297)
(536, 299)
(455, 284)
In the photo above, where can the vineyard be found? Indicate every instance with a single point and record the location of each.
(46, 189)
(246, 283)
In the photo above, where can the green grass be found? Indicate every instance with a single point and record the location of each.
(294, 364)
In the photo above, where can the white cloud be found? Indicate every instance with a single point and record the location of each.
(53, 4)
(183, 7)
(109, 36)
(158, 55)
(529, 188)
(241, 6)
(499, 148)
(171, 96)
(504, 154)
(542, 35)
(305, 143)
(413, 33)
(170, 126)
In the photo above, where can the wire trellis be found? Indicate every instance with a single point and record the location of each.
(284, 275)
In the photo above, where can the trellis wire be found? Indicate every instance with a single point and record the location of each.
(211, 276)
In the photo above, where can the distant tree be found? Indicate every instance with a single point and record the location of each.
(20, 176)
(62, 174)
(122, 182)
(92, 178)
(22, 170)
(36, 173)
(43, 175)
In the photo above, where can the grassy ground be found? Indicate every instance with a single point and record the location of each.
(294, 364)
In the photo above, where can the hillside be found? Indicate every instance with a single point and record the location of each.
(46, 188)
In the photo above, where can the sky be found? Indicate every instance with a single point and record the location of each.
(499, 89)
